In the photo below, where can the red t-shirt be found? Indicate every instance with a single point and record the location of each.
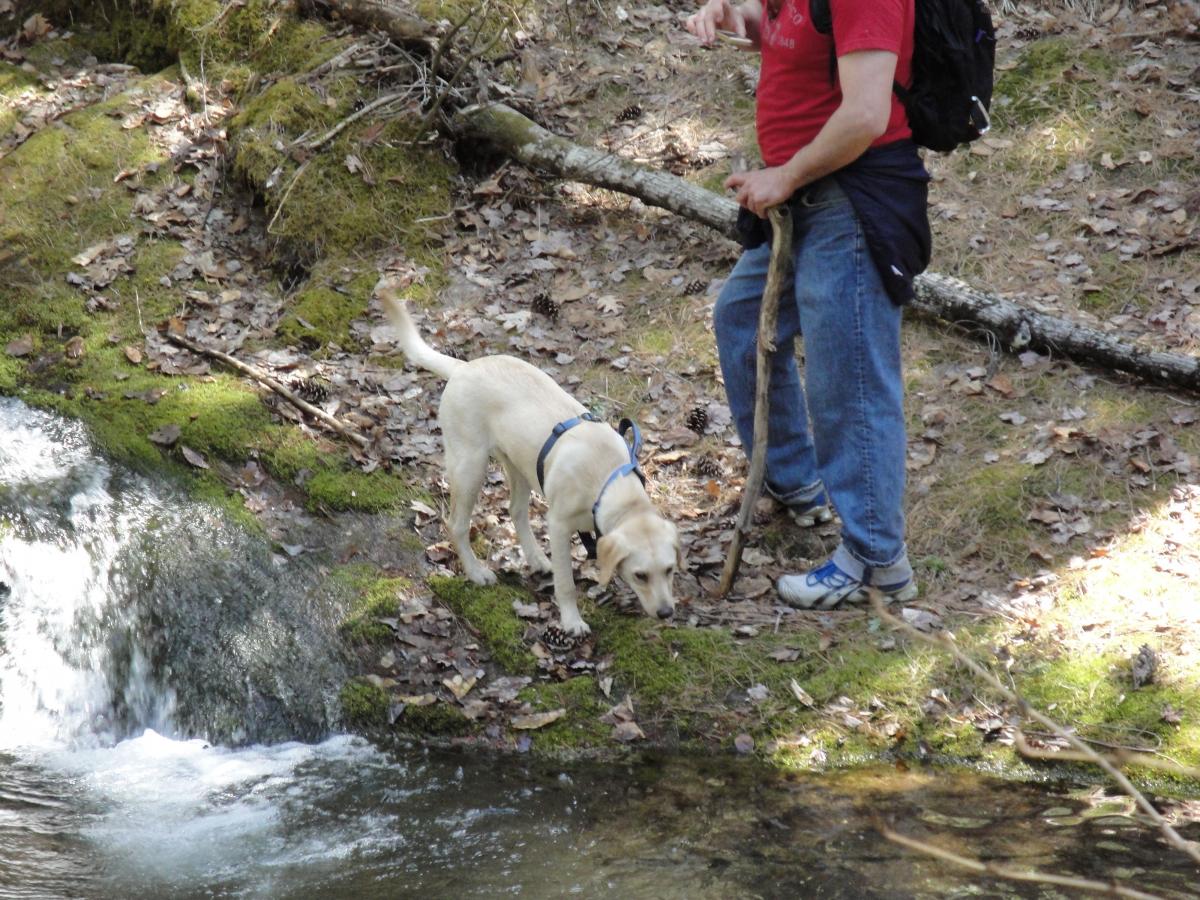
(795, 96)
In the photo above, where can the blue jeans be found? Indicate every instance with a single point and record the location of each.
(853, 392)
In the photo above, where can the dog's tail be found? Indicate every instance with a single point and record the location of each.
(415, 350)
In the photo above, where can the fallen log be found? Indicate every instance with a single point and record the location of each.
(401, 25)
(1011, 325)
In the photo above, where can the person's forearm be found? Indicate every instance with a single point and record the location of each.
(845, 138)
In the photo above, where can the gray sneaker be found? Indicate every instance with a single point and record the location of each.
(828, 587)
(807, 513)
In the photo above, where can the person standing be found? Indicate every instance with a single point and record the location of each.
(837, 149)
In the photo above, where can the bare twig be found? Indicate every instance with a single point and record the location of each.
(1118, 756)
(1010, 874)
(263, 378)
(768, 316)
(287, 193)
(341, 126)
(471, 56)
(943, 640)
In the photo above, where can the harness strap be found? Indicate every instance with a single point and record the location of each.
(559, 430)
(630, 468)
(588, 539)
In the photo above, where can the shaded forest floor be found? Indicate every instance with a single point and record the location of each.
(1053, 511)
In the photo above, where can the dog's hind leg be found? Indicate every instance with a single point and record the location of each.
(466, 468)
(518, 507)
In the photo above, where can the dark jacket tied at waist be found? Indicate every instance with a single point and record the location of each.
(888, 188)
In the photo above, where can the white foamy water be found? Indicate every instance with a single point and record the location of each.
(57, 565)
(157, 808)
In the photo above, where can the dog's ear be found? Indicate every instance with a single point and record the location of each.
(610, 550)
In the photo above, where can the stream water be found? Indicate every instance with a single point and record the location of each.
(166, 709)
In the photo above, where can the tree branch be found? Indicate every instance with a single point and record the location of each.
(262, 377)
(943, 640)
(1010, 874)
(1014, 326)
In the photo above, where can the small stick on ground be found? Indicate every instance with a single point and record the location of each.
(384, 100)
(768, 317)
(1082, 884)
(263, 378)
(1086, 753)
(1119, 756)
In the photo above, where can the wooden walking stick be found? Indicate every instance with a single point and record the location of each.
(768, 317)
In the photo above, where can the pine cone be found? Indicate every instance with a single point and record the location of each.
(311, 388)
(696, 286)
(697, 419)
(629, 113)
(558, 641)
(707, 467)
(543, 305)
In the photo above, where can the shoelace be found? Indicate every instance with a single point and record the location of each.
(829, 575)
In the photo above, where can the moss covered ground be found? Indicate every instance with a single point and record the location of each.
(810, 691)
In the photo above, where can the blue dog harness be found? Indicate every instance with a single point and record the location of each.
(632, 467)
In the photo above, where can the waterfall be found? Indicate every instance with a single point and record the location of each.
(126, 605)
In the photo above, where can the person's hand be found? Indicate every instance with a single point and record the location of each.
(761, 189)
(714, 15)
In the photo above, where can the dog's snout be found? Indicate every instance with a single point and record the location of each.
(665, 612)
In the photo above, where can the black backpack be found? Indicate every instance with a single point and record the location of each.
(954, 53)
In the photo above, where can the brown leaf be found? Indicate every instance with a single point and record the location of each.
(743, 744)
(537, 720)
(134, 355)
(22, 346)
(628, 731)
(785, 654)
(801, 694)
(74, 348)
(1001, 384)
(193, 457)
(418, 700)
(167, 436)
(35, 27)
(459, 686)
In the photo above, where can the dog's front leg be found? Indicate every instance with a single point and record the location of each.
(564, 577)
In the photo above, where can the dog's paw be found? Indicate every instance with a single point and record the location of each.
(540, 564)
(576, 627)
(482, 577)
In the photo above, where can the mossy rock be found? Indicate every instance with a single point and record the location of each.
(364, 705)
(439, 719)
(489, 610)
(365, 190)
(374, 598)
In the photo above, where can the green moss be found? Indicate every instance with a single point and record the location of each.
(14, 81)
(319, 315)
(322, 207)
(364, 706)
(440, 719)
(343, 488)
(489, 611)
(580, 728)
(1037, 85)
(373, 598)
(1094, 693)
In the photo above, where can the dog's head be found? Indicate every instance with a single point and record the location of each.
(645, 549)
